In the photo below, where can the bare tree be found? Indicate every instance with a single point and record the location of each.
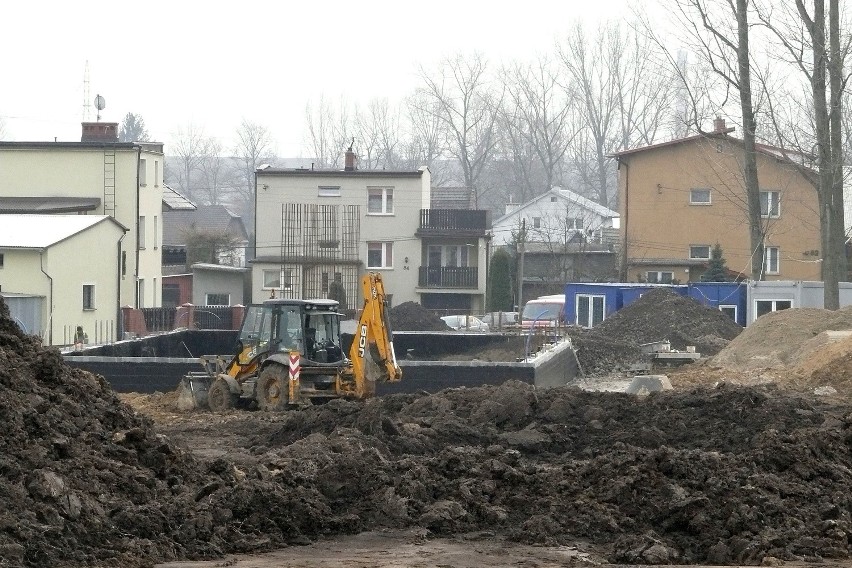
(536, 125)
(329, 132)
(427, 140)
(133, 129)
(377, 131)
(189, 147)
(462, 97)
(623, 97)
(253, 148)
(719, 30)
(819, 34)
(216, 177)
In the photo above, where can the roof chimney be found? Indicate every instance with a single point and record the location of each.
(100, 132)
(350, 158)
(719, 125)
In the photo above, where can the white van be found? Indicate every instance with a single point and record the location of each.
(545, 311)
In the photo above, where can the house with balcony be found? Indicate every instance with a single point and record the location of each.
(316, 228)
(96, 176)
(678, 199)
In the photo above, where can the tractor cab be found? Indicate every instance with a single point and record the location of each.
(311, 327)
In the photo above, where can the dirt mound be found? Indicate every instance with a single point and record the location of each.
(411, 316)
(781, 338)
(828, 363)
(732, 475)
(661, 314)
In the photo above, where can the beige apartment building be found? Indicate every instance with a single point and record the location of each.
(680, 198)
(96, 176)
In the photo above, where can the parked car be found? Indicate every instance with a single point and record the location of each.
(497, 320)
(465, 323)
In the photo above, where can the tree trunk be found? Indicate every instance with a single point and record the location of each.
(750, 179)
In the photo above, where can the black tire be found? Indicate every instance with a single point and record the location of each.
(273, 389)
(219, 396)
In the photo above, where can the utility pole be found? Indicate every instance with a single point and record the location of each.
(522, 236)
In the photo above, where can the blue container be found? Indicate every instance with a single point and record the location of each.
(730, 297)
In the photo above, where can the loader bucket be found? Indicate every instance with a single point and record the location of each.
(192, 391)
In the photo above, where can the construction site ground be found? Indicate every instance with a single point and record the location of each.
(746, 461)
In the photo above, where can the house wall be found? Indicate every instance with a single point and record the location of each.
(411, 193)
(69, 171)
(217, 282)
(58, 274)
(659, 225)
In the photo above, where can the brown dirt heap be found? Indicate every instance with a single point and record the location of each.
(731, 475)
(658, 315)
(411, 316)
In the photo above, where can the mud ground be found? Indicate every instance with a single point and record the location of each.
(712, 472)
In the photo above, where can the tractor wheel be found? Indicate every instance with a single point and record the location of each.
(273, 388)
(219, 396)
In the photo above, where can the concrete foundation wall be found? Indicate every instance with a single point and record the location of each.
(556, 366)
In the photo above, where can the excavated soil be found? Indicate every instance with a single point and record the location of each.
(727, 475)
(411, 316)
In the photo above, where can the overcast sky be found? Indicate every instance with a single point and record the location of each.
(213, 63)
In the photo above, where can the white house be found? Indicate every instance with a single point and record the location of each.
(96, 176)
(63, 271)
(558, 216)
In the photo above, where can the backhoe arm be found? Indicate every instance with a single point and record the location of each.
(374, 335)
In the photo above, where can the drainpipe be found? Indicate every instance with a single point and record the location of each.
(118, 312)
(136, 275)
(623, 270)
(50, 300)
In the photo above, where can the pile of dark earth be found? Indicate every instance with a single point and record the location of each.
(731, 475)
(411, 316)
(658, 315)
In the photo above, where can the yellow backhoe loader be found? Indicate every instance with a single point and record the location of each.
(289, 353)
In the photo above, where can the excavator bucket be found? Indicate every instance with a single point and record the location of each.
(192, 391)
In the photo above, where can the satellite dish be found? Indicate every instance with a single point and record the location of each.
(100, 104)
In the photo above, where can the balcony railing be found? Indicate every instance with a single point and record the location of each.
(448, 277)
(453, 221)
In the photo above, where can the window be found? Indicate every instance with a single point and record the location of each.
(143, 172)
(762, 307)
(574, 223)
(699, 252)
(772, 260)
(456, 256)
(699, 197)
(659, 277)
(156, 173)
(552, 199)
(141, 231)
(379, 255)
(277, 279)
(329, 191)
(590, 309)
(217, 299)
(1, 260)
(729, 310)
(770, 204)
(537, 222)
(88, 296)
(380, 200)
(155, 232)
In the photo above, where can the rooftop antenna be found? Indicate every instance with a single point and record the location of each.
(86, 99)
(100, 104)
